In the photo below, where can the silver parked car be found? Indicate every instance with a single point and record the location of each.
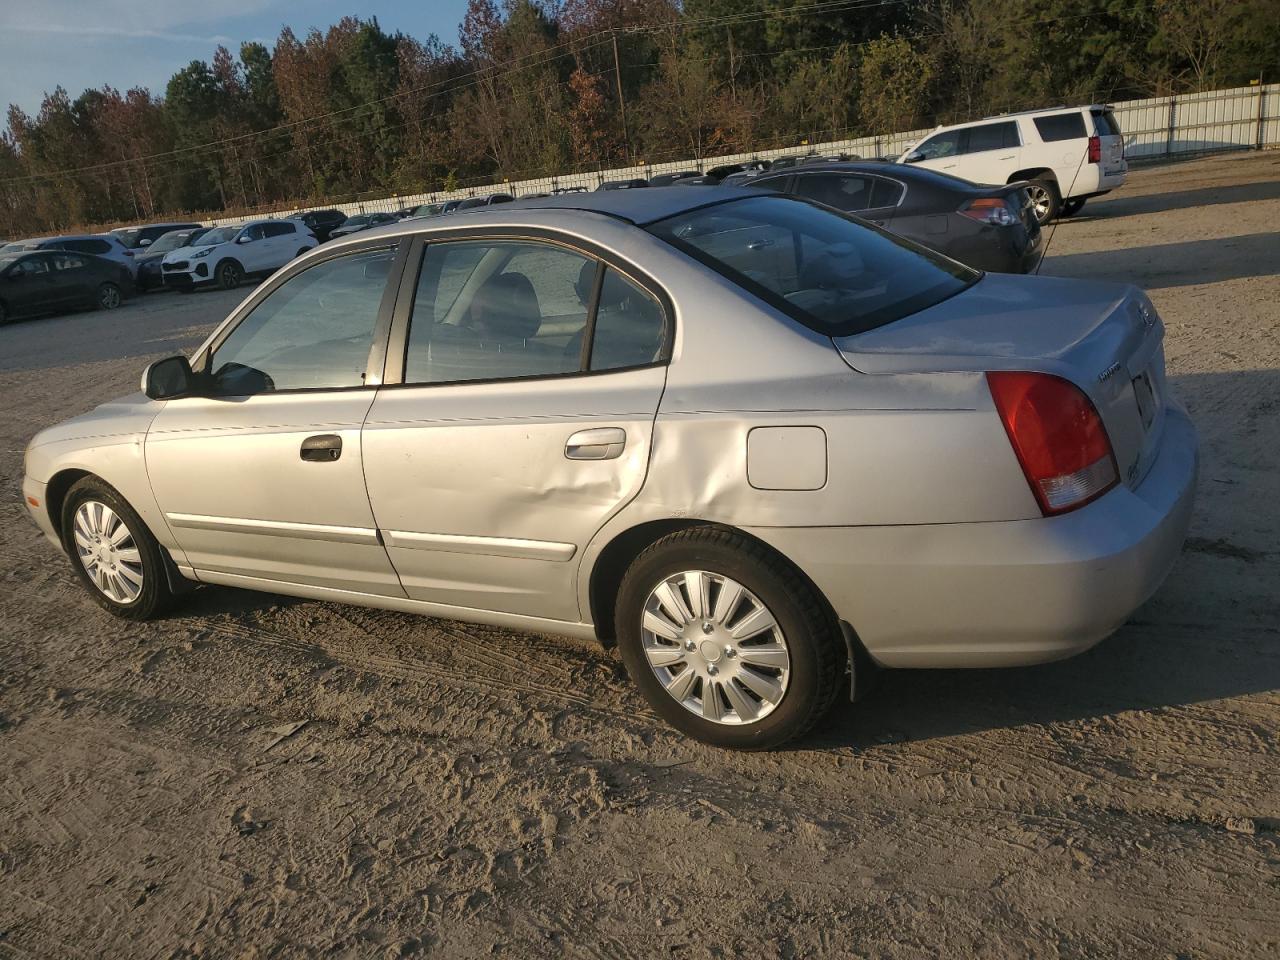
(756, 443)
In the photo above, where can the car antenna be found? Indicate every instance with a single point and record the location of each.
(1071, 189)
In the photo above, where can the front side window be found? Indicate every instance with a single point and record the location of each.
(487, 310)
(255, 232)
(313, 332)
(941, 146)
(828, 271)
(32, 266)
(840, 190)
(629, 328)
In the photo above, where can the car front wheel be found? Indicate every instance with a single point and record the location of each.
(727, 641)
(229, 275)
(113, 553)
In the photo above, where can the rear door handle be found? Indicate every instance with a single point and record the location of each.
(600, 443)
(324, 448)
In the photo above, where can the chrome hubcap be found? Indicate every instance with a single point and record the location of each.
(108, 552)
(715, 648)
(1039, 201)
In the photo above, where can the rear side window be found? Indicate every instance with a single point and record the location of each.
(1060, 126)
(279, 229)
(67, 261)
(886, 193)
(849, 192)
(87, 246)
(827, 271)
(991, 136)
(629, 325)
(1105, 123)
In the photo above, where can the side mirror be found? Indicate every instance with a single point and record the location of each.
(168, 378)
(144, 242)
(915, 156)
(244, 238)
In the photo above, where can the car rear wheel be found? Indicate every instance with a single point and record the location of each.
(1044, 199)
(727, 642)
(113, 553)
(109, 296)
(230, 275)
(1071, 207)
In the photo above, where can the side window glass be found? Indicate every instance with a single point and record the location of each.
(943, 145)
(314, 332)
(841, 191)
(278, 229)
(629, 328)
(769, 183)
(67, 261)
(1060, 126)
(885, 193)
(34, 266)
(495, 310)
(992, 136)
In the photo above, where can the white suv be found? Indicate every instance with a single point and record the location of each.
(1066, 155)
(226, 255)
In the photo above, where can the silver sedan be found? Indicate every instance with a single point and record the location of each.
(759, 445)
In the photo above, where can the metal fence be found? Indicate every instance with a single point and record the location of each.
(1162, 127)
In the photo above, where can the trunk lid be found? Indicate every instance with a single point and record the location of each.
(1105, 338)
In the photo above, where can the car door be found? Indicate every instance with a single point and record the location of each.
(262, 477)
(30, 286)
(514, 433)
(284, 242)
(989, 152)
(939, 152)
(253, 249)
(73, 275)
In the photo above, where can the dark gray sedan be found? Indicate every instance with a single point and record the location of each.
(984, 227)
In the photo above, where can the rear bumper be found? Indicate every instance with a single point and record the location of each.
(1009, 593)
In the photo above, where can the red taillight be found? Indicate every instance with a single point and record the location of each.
(127, 253)
(1058, 437)
(993, 210)
(1095, 149)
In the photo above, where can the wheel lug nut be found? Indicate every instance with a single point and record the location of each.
(707, 627)
(730, 652)
(711, 669)
(689, 645)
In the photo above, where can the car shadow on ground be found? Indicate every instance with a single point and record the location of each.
(1122, 205)
(1165, 265)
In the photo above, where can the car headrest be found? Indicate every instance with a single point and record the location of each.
(509, 305)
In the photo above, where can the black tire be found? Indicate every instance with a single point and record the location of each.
(1044, 194)
(108, 297)
(155, 596)
(816, 648)
(229, 274)
(4, 314)
(1071, 207)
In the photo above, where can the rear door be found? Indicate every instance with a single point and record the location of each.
(529, 377)
(989, 152)
(74, 276)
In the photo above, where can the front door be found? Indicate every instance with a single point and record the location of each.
(517, 432)
(32, 287)
(263, 479)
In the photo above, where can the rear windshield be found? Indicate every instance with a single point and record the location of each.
(1105, 123)
(836, 275)
(1061, 126)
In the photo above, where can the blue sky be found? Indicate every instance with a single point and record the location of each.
(130, 43)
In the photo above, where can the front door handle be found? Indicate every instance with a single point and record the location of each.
(600, 443)
(324, 448)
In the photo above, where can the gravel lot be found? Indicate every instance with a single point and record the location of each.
(460, 791)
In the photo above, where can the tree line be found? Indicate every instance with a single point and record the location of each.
(539, 87)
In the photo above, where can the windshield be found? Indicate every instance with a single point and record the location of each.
(358, 221)
(171, 241)
(220, 235)
(428, 209)
(833, 273)
(130, 237)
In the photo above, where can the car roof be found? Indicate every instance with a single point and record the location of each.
(635, 206)
(879, 168)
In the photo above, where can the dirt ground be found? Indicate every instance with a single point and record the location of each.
(460, 791)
